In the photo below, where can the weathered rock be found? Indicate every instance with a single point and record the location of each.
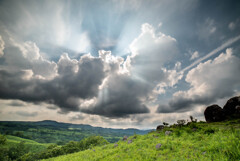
(194, 129)
(125, 138)
(160, 127)
(238, 110)
(168, 132)
(129, 141)
(115, 145)
(158, 146)
(214, 113)
(231, 108)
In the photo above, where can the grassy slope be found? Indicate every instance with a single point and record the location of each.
(182, 144)
(33, 146)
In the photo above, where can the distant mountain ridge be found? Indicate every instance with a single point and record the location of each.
(63, 124)
(50, 131)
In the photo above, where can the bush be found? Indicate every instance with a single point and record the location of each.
(3, 139)
(209, 131)
(4, 154)
(193, 125)
(177, 132)
(17, 151)
(92, 141)
(70, 147)
(181, 122)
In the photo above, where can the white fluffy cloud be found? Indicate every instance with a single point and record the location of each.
(209, 81)
(194, 55)
(27, 56)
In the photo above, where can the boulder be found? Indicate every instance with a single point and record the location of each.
(129, 141)
(231, 108)
(214, 113)
(168, 132)
(158, 146)
(125, 138)
(115, 145)
(160, 127)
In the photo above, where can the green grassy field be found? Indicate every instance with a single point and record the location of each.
(33, 146)
(197, 141)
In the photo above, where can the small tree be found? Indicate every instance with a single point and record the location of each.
(2, 139)
(192, 119)
(181, 122)
(165, 123)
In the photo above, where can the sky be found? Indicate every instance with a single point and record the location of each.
(117, 63)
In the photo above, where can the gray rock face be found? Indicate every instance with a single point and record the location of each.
(160, 127)
(158, 146)
(214, 113)
(168, 132)
(231, 108)
(115, 145)
(129, 141)
(125, 138)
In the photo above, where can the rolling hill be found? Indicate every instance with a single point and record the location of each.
(195, 141)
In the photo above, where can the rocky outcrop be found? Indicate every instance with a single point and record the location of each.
(158, 146)
(160, 127)
(214, 113)
(125, 138)
(168, 132)
(231, 110)
(232, 107)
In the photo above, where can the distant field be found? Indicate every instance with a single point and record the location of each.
(33, 146)
(197, 141)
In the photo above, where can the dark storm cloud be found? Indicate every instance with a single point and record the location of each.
(63, 91)
(120, 98)
(25, 75)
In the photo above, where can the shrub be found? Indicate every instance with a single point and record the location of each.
(209, 131)
(92, 141)
(3, 139)
(177, 132)
(17, 151)
(165, 123)
(4, 154)
(181, 122)
(71, 147)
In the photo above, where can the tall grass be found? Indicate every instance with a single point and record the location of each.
(199, 141)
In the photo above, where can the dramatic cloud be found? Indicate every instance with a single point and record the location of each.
(25, 75)
(140, 78)
(106, 85)
(107, 64)
(27, 56)
(209, 81)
